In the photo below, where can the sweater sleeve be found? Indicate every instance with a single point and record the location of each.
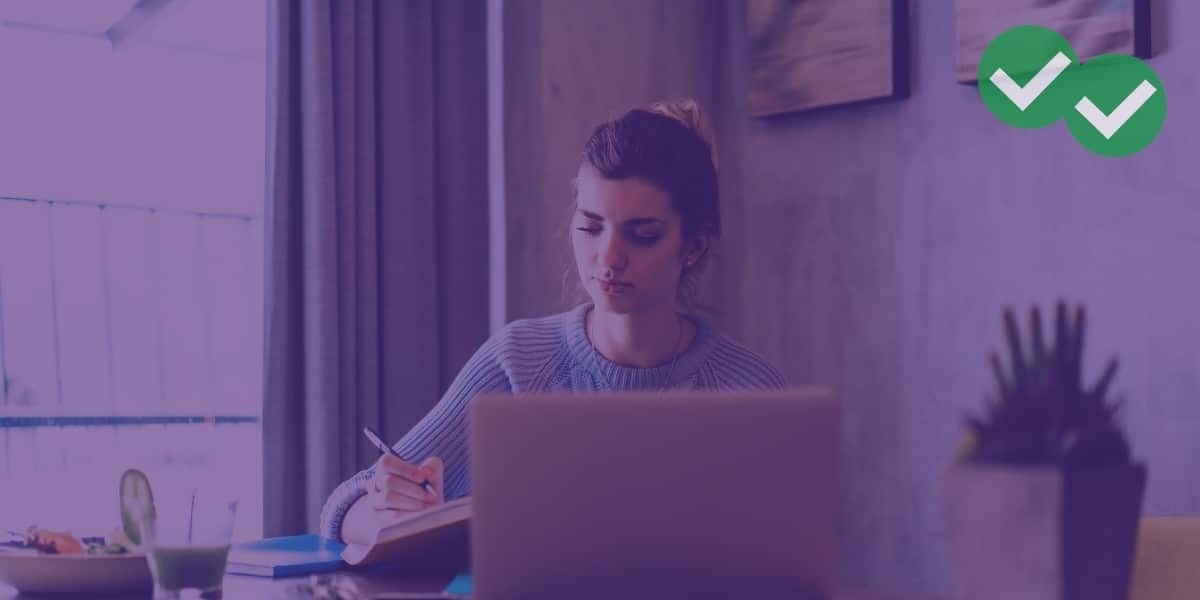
(441, 433)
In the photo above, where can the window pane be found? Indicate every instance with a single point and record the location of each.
(136, 337)
(26, 313)
(130, 260)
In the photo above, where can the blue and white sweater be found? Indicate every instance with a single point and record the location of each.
(551, 354)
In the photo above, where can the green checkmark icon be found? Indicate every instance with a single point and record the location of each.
(1114, 104)
(1021, 76)
(1121, 104)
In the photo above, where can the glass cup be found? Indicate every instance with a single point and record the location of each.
(187, 545)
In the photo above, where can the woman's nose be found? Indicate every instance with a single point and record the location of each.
(612, 252)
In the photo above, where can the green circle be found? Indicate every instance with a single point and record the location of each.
(1018, 55)
(1109, 81)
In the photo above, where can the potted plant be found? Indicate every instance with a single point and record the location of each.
(1043, 500)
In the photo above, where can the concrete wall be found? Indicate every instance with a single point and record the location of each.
(881, 243)
(569, 66)
(872, 248)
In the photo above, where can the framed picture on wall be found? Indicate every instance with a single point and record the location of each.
(817, 53)
(1093, 27)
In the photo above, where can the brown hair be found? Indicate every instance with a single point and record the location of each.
(669, 145)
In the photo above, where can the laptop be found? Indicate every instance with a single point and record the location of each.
(644, 495)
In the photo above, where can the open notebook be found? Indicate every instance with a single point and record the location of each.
(440, 531)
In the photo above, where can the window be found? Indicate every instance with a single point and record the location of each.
(131, 261)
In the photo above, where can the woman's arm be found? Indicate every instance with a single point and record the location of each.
(441, 433)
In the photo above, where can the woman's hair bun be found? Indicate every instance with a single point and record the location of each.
(687, 111)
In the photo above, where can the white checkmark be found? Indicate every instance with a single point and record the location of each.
(1024, 96)
(1109, 124)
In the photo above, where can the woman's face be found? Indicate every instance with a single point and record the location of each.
(628, 242)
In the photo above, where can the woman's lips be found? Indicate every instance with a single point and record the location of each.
(614, 287)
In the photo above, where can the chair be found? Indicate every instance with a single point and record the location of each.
(1168, 559)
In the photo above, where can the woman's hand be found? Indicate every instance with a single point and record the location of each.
(395, 489)
(393, 492)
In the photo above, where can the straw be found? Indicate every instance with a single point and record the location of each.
(191, 514)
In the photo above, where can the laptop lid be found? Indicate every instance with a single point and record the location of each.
(686, 494)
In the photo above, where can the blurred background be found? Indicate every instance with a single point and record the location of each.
(131, 254)
(877, 220)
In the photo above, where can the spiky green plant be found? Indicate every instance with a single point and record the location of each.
(1044, 415)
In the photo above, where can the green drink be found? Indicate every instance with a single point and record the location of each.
(182, 567)
(187, 544)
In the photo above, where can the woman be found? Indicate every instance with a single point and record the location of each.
(646, 216)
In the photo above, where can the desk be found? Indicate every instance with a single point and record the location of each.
(1168, 555)
(240, 587)
(374, 583)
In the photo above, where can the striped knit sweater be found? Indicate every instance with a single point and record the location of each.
(550, 354)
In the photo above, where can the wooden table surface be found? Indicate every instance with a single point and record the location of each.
(1167, 569)
(395, 586)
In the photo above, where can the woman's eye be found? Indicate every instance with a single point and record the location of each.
(646, 237)
(591, 230)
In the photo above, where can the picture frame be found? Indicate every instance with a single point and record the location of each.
(823, 53)
(1093, 28)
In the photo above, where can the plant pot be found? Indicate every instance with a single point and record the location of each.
(1039, 533)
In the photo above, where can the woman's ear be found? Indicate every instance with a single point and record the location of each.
(696, 249)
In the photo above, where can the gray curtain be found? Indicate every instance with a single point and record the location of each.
(376, 257)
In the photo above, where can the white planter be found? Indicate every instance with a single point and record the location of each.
(1037, 533)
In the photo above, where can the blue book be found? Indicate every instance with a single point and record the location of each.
(284, 556)
(460, 586)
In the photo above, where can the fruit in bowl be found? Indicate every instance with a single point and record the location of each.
(137, 504)
(46, 541)
(47, 561)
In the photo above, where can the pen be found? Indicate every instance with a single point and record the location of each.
(383, 447)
